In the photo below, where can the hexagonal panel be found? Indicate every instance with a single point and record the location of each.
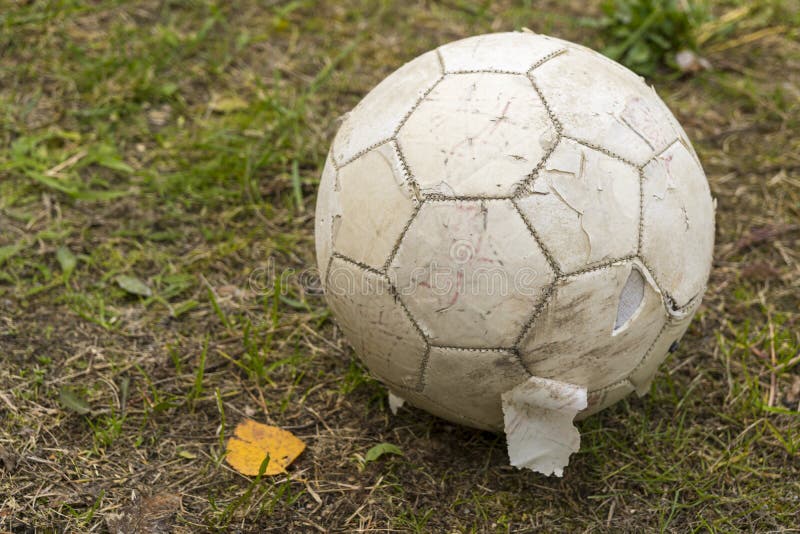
(584, 206)
(328, 208)
(643, 374)
(376, 205)
(510, 52)
(473, 380)
(575, 338)
(375, 323)
(605, 105)
(476, 134)
(678, 229)
(470, 272)
(379, 114)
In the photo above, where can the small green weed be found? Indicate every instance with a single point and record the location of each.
(646, 34)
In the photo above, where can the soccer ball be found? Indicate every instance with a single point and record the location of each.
(512, 206)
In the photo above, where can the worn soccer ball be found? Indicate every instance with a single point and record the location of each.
(507, 206)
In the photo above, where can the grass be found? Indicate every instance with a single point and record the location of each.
(180, 144)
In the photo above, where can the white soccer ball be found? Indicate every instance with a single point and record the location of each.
(512, 206)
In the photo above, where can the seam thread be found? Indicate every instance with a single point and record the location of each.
(408, 178)
(328, 270)
(640, 237)
(548, 256)
(402, 304)
(648, 351)
(537, 311)
(484, 71)
(332, 151)
(524, 186)
(669, 301)
(604, 390)
(602, 149)
(361, 265)
(438, 197)
(423, 368)
(400, 238)
(546, 58)
(440, 57)
(419, 101)
(656, 155)
(598, 267)
(393, 291)
(557, 123)
(363, 151)
(474, 349)
(517, 356)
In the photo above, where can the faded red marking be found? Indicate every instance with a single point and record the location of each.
(459, 284)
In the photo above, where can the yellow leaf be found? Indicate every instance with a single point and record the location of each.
(253, 441)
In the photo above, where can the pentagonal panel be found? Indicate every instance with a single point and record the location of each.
(328, 209)
(379, 114)
(576, 339)
(470, 272)
(509, 52)
(476, 134)
(376, 205)
(472, 381)
(667, 341)
(678, 229)
(603, 398)
(584, 206)
(375, 323)
(605, 105)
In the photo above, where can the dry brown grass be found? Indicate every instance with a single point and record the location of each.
(209, 197)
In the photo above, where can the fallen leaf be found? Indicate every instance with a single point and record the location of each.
(253, 442)
(133, 285)
(148, 515)
(71, 401)
(380, 449)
